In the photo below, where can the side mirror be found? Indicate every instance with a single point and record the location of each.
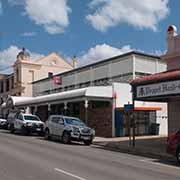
(178, 132)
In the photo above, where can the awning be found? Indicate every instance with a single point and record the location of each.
(100, 92)
(160, 87)
(159, 77)
(142, 108)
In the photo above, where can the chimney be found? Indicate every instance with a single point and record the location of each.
(74, 62)
(171, 33)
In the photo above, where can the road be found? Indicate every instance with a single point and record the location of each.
(33, 158)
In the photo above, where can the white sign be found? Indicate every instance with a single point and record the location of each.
(158, 89)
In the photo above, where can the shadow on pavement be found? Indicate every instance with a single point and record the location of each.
(56, 140)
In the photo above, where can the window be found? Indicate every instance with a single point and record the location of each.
(60, 121)
(20, 117)
(31, 118)
(57, 120)
(32, 75)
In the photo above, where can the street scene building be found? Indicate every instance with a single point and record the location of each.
(26, 70)
(165, 86)
(97, 94)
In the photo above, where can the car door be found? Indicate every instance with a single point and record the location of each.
(18, 121)
(52, 125)
(60, 126)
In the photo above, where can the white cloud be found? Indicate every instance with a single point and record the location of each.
(28, 34)
(101, 52)
(51, 14)
(8, 57)
(140, 14)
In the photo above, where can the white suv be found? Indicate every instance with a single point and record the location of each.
(67, 129)
(27, 123)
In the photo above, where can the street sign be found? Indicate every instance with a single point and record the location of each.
(128, 108)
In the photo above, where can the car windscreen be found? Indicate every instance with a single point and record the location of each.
(31, 118)
(73, 121)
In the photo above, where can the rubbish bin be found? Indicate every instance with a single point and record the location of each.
(154, 129)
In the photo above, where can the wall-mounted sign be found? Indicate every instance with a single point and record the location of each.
(158, 89)
(57, 80)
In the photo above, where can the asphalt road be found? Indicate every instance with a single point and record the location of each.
(32, 158)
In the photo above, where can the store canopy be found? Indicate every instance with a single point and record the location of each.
(160, 87)
(100, 92)
(159, 77)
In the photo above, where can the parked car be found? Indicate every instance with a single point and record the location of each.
(25, 123)
(173, 145)
(3, 123)
(67, 129)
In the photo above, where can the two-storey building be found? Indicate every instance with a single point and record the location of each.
(97, 93)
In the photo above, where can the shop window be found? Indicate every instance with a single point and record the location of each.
(143, 120)
(76, 109)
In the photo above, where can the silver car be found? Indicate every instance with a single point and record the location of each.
(67, 129)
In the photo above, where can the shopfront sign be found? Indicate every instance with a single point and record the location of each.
(158, 89)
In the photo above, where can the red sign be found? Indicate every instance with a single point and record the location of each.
(57, 80)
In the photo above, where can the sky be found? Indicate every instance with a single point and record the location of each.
(92, 30)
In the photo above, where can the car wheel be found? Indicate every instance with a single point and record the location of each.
(47, 134)
(41, 133)
(11, 128)
(178, 156)
(66, 138)
(88, 142)
(24, 132)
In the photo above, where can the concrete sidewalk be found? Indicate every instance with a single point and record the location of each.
(148, 146)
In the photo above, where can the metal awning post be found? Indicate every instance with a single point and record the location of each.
(86, 104)
(65, 108)
(49, 110)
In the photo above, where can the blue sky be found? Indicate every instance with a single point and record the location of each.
(90, 29)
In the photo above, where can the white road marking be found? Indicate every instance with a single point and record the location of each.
(150, 161)
(69, 174)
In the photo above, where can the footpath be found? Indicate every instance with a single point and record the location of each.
(147, 146)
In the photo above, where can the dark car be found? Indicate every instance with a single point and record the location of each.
(173, 145)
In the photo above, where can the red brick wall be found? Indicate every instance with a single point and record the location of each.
(99, 118)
